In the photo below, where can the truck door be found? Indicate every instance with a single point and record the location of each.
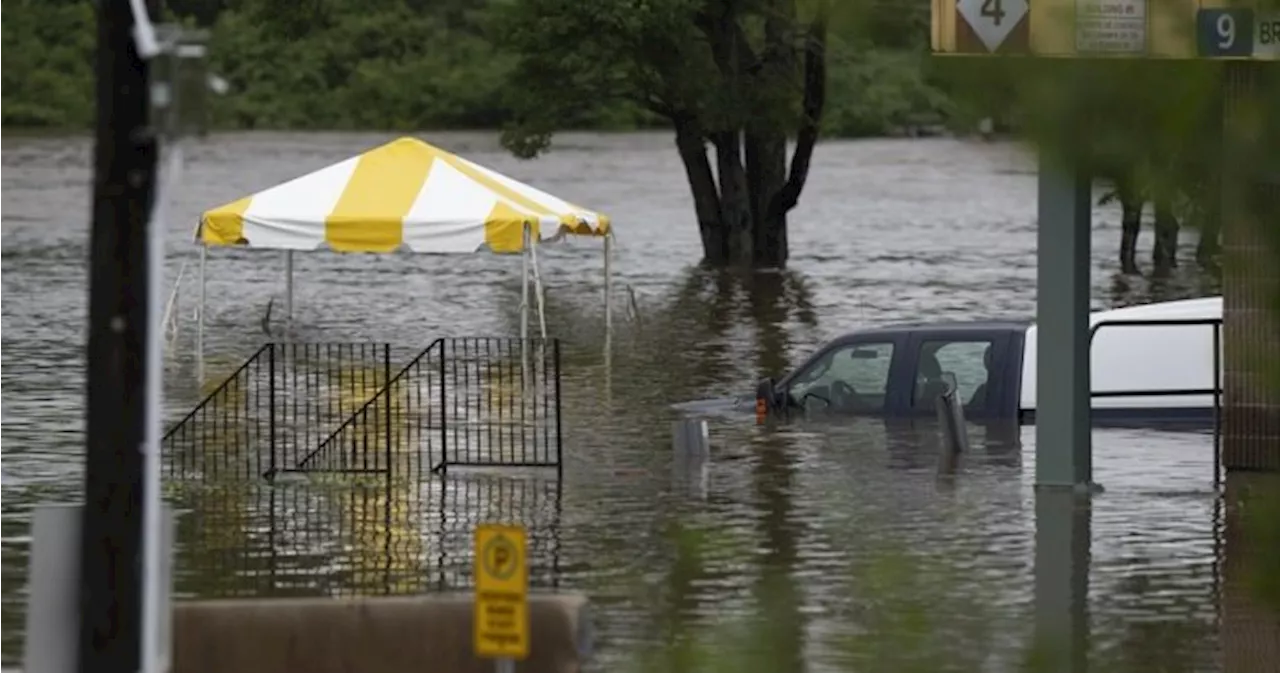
(977, 359)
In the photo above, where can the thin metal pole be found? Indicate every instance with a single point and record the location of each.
(387, 401)
(204, 254)
(524, 313)
(120, 328)
(608, 293)
(288, 293)
(1217, 404)
(153, 539)
(559, 435)
(271, 406)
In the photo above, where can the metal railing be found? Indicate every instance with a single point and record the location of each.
(1215, 390)
(285, 398)
(461, 402)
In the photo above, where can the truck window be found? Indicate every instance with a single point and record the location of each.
(851, 378)
(967, 360)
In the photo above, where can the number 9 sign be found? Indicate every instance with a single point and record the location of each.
(1224, 32)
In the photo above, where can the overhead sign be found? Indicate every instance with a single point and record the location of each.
(1266, 37)
(502, 588)
(1173, 29)
(1240, 33)
(1224, 32)
(992, 21)
(1111, 26)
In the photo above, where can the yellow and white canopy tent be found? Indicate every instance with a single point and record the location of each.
(404, 196)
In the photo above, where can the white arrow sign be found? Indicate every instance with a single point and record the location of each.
(992, 20)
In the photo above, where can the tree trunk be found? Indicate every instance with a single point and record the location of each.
(1208, 247)
(1130, 227)
(766, 176)
(706, 197)
(1165, 251)
(742, 209)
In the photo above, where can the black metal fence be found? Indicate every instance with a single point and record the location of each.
(478, 402)
(303, 538)
(481, 402)
(284, 399)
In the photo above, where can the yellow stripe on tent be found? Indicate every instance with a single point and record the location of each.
(369, 217)
(504, 228)
(505, 192)
(225, 225)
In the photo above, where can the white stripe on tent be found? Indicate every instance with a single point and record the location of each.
(449, 213)
(285, 216)
(550, 202)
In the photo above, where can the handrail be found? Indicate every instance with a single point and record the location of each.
(221, 387)
(359, 413)
(1215, 391)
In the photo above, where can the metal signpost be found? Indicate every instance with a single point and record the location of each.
(1085, 29)
(501, 598)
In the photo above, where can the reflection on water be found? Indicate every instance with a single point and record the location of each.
(339, 536)
(804, 546)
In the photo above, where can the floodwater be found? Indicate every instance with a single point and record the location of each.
(843, 539)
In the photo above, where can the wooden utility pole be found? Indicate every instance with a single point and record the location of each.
(111, 559)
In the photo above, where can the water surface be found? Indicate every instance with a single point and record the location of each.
(843, 537)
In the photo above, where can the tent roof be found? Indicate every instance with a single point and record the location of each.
(406, 194)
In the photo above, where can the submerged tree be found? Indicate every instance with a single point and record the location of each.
(734, 78)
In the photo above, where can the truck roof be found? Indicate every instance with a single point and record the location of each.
(1008, 324)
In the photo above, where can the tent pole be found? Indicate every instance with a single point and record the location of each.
(524, 310)
(538, 292)
(288, 294)
(608, 296)
(542, 305)
(204, 253)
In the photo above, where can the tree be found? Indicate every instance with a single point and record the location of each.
(733, 78)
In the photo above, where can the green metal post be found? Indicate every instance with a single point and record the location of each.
(1063, 452)
(1062, 560)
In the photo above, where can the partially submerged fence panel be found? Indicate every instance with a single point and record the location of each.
(285, 398)
(339, 408)
(472, 402)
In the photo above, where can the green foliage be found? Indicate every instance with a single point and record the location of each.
(411, 64)
(48, 73)
(877, 92)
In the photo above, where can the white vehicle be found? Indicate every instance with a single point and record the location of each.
(1157, 363)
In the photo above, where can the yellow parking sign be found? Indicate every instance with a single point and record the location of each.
(502, 587)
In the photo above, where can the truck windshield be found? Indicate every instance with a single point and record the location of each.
(850, 378)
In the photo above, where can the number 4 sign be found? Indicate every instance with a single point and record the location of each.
(992, 20)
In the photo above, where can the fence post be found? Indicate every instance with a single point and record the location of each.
(386, 399)
(271, 408)
(559, 438)
(444, 422)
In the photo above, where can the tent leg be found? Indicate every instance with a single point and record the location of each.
(608, 296)
(288, 293)
(524, 311)
(204, 253)
(540, 296)
(538, 291)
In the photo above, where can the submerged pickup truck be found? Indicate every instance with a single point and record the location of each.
(1151, 364)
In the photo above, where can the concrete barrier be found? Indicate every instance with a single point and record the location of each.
(370, 635)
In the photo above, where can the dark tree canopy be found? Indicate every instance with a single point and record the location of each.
(735, 79)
